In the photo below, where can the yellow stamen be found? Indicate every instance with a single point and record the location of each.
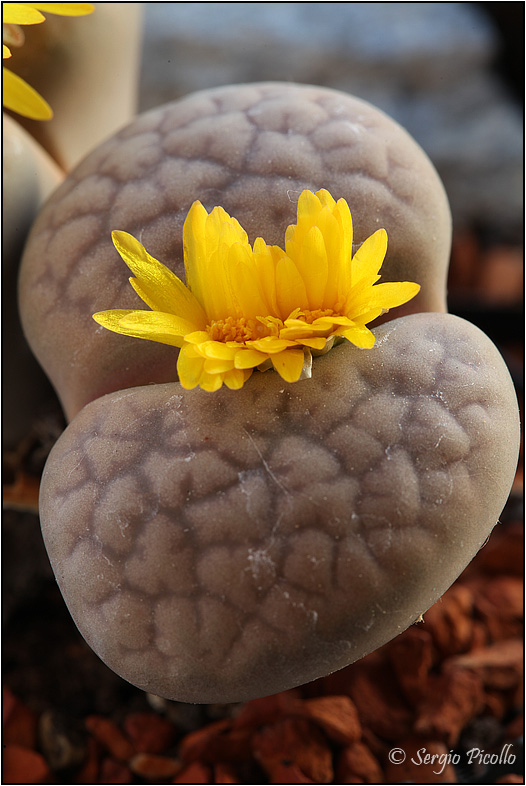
(238, 329)
(309, 316)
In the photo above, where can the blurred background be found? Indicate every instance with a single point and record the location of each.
(452, 74)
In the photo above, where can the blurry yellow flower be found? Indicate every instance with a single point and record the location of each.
(249, 307)
(17, 94)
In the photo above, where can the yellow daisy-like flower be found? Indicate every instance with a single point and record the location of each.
(17, 94)
(247, 307)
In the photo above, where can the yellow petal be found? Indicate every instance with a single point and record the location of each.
(309, 207)
(291, 291)
(367, 316)
(297, 332)
(207, 240)
(158, 286)
(63, 9)
(265, 261)
(243, 281)
(219, 224)
(326, 199)
(215, 366)
(195, 249)
(394, 293)
(314, 267)
(314, 343)
(189, 369)
(231, 277)
(217, 296)
(21, 14)
(360, 336)
(210, 382)
(6, 52)
(192, 351)
(198, 337)
(249, 358)
(270, 344)
(334, 247)
(369, 258)
(343, 216)
(308, 211)
(325, 322)
(152, 325)
(236, 378)
(194, 370)
(289, 364)
(218, 350)
(297, 329)
(296, 322)
(388, 295)
(23, 99)
(111, 319)
(157, 326)
(320, 245)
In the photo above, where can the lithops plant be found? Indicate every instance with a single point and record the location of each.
(214, 547)
(251, 149)
(218, 544)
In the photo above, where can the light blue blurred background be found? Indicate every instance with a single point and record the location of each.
(428, 65)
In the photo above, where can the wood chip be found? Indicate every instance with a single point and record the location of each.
(499, 666)
(412, 656)
(501, 275)
(20, 726)
(450, 621)
(110, 736)
(261, 712)
(113, 771)
(148, 732)
(503, 553)
(500, 604)
(294, 741)
(89, 772)
(196, 772)
(373, 688)
(337, 716)
(21, 765)
(196, 744)
(453, 699)
(152, 766)
(356, 764)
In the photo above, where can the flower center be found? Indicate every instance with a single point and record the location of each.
(309, 316)
(238, 329)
